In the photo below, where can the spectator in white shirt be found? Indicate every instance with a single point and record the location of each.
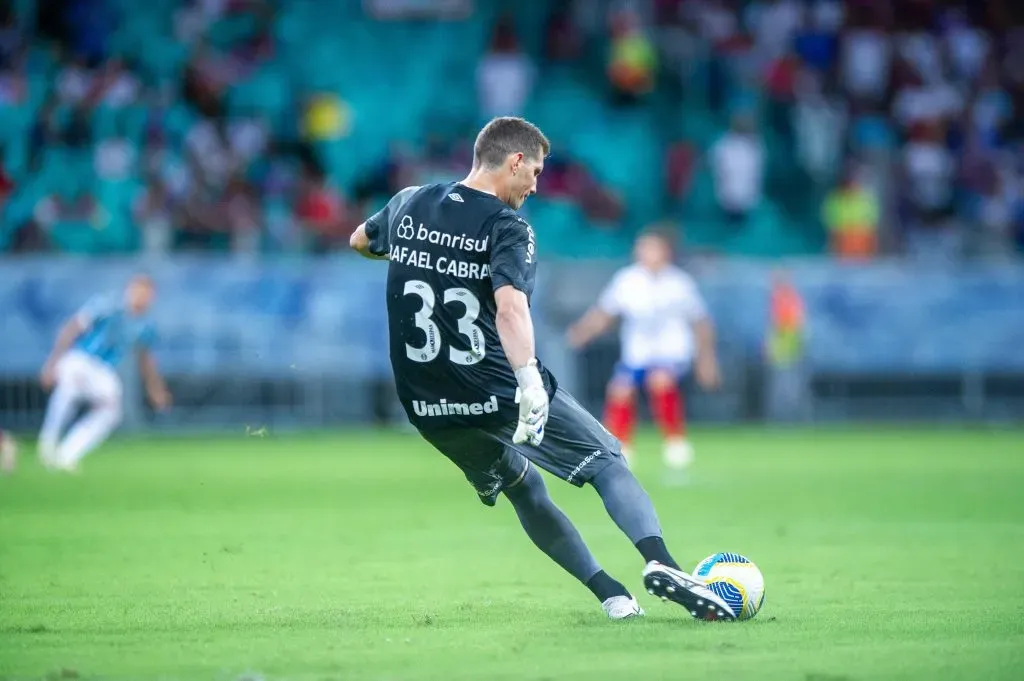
(154, 216)
(505, 75)
(737, 165)
(74, 82)
(774, 23)
(119, 86)
(967, 46)
(819, 121)
(866, 59)
(114, 158)
(921, 100)
(208, 145)
(247, 137)
(929, 173)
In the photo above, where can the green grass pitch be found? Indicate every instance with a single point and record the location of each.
(892, 554)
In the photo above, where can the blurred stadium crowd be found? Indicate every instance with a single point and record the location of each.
(767, 127)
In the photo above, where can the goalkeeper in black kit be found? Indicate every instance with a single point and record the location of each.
(461, 271)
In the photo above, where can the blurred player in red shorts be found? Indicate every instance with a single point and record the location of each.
(666, 333)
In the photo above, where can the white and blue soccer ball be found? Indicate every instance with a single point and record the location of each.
(736, 580)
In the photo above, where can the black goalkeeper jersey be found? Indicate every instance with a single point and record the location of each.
(450, 247)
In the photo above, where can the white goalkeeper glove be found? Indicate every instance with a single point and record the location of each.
(533, 405)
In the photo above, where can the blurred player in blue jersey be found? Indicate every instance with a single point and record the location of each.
(83, 368)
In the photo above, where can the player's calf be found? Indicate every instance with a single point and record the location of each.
(629, 505)
(666, 404)
(554, 534)
(669, 413)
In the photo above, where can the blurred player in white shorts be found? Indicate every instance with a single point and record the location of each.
(82, 368)
(666, 332)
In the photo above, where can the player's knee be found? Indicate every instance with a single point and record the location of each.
(620, 391)
(529, 490)
(614, 472)
(660, 380)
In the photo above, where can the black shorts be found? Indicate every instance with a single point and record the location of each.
(576, 447)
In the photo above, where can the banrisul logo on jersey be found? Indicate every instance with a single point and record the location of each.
(409, 231)
(446, 408)
(405, 229)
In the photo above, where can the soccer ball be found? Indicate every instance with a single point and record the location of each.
(736, 580)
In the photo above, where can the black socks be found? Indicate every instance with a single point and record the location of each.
(604, 587)
(653, 548)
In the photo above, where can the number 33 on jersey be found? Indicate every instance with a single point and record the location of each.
(475, 337)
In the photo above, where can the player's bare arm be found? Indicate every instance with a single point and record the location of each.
(515, 326)
(360, 243)
(707, 372)
(156, 388)
(593, 324)
(68, 334)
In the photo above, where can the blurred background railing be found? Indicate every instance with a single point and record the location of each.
(302, 342)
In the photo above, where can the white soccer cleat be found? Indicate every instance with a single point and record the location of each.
(47, 457)
(622, 608)
(678, 454)
(670, 584)
(67, 467)
(55, 464)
